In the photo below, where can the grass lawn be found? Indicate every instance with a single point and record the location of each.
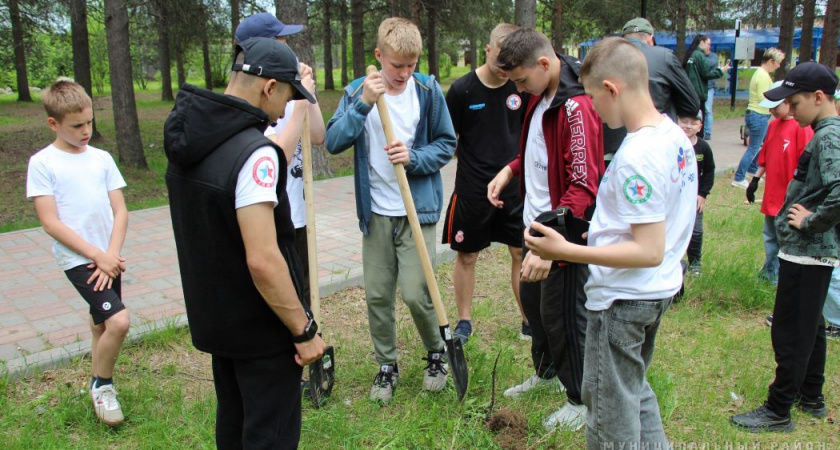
(713, 359)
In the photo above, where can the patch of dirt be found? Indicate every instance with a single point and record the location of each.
(511, 429)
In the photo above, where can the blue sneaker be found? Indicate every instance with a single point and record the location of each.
(463, 331)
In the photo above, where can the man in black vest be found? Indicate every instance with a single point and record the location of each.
(235, 240)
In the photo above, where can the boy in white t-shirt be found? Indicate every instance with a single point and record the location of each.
(641, 227)
(425, 142)
(76, 191)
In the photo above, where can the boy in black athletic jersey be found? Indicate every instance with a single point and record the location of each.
(487, 114)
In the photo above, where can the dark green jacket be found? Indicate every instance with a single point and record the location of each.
(699, 73)
(816, 186)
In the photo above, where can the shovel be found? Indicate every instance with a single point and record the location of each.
(454, 347)
(322, 371)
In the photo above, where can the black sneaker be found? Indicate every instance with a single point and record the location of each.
(385, 383)
(762, 420)
(525, 334)
(832, 332)
(463, 330)
(813, 406)
(769, 320)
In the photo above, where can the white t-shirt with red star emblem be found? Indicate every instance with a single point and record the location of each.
(652, 178)
(258, 178)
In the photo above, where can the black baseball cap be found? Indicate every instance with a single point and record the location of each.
(270, 58)
(805, 77)
(264, 25)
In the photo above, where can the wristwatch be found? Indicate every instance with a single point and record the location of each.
(308, 333)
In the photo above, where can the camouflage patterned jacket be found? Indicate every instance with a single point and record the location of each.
(816, 186)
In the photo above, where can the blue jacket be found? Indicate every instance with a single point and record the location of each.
(434, 145)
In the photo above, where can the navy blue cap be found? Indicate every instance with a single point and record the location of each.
(264, 25)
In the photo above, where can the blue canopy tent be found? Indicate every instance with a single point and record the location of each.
(725, 40)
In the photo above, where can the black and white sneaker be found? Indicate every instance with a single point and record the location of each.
(434, 378)
(385, 383)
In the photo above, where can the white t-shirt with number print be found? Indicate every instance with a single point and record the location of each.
(652, 178)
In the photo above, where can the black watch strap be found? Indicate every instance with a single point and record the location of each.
(308, 333)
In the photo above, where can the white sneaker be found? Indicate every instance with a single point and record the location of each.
(534, 382)
(106, 405)
(568, 418)
(743, 184)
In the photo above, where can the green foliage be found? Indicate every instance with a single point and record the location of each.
(99, 71)
(48, 59)
(445, 65)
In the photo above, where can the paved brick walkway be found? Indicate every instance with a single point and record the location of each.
(44, 322)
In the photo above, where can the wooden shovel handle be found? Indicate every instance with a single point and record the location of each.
(311, 241)
(411, 212)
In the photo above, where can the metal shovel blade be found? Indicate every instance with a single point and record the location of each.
(457, 361)
(322, 378)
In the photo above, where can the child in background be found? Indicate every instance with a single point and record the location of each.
(706, 179)
(783, 145)
(809, 250)
(76, 191)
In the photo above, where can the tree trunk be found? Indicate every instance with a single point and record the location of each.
(357, 27)
(81, 52)
(205, 49)
(234, 19)
(709, 15)
(828, 48)
(126, 124)
(525, 13)
(20, 52)
(164, 54)
(557, 26)
(787, 17)
(399, 8)
(342, 16)
(434, 61)
(473, 53)
(180, 67)
(329, 83)
(680, 25)
(806, 42)
(295, 11)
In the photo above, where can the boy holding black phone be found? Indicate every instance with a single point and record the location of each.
(560, 162)
(637, 237)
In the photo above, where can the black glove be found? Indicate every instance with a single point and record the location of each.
(751, 189)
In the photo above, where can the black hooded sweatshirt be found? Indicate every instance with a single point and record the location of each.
(207, 138)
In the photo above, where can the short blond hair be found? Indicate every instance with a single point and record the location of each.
(500, 32)
(615, 59)
(65, 97)
(400, 35)
(773, 53)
